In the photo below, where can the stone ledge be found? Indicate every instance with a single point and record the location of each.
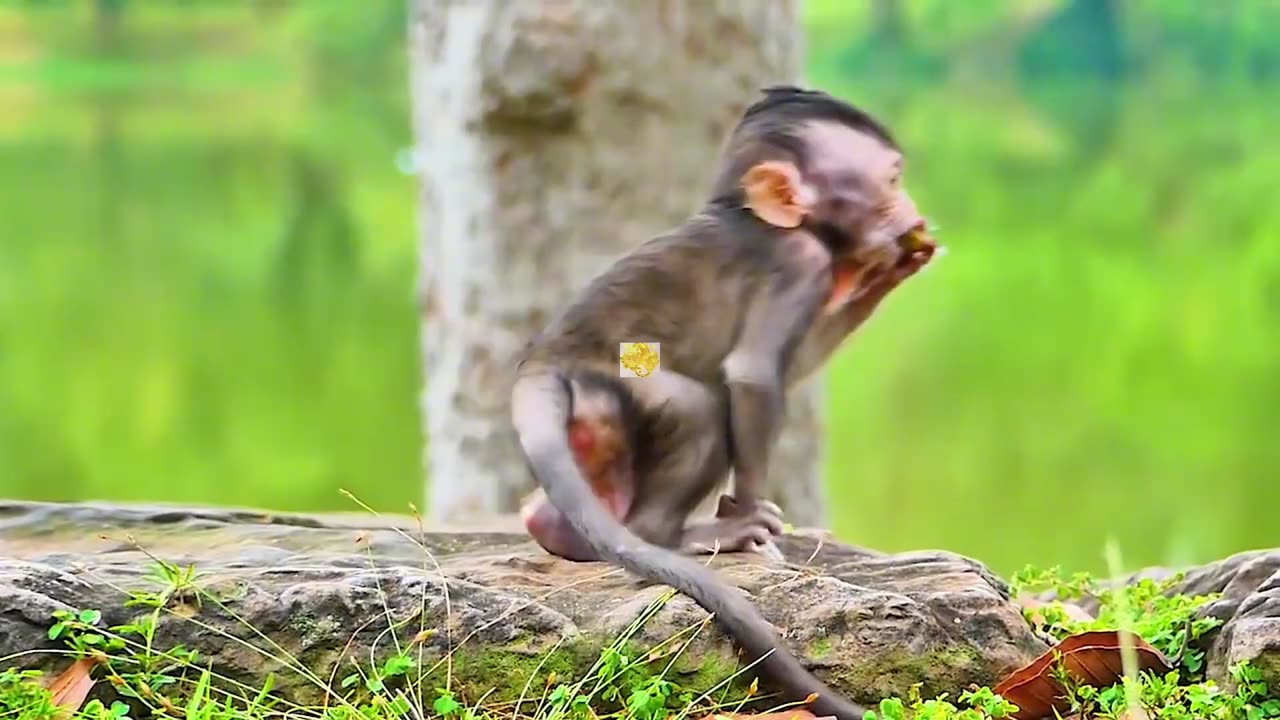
(322, 587)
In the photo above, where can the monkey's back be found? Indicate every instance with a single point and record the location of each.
(685, 290)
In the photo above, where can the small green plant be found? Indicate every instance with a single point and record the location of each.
(1168, 698)
(95, 710)
(978, 704)
(127, 655)
(1166, 620)
(77, 629)
(22, 696)
(396, 666)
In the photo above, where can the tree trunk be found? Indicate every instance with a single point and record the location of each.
(552, 137)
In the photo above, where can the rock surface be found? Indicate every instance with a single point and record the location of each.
(323, 589)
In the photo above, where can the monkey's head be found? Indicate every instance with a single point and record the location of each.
(802, 158)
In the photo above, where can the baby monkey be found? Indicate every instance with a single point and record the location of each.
(807, 229)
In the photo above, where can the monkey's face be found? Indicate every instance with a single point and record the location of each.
(850, 193)
(860, 199)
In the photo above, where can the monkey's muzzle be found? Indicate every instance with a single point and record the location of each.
(915, 240)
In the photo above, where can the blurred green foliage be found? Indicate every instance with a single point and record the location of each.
(207, 264)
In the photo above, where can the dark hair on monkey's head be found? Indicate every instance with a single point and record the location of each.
(774, 123)
(790, 104)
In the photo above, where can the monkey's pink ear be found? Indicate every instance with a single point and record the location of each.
(776, 194)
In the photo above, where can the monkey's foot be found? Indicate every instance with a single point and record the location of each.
(767, 549)
(734, 533)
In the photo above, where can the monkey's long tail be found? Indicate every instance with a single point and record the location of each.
(540, 412)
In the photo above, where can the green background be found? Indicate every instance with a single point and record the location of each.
(207, 263)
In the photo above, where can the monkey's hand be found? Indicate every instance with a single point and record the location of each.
(730, 507)
(880, 285)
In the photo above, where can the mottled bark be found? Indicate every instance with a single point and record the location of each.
(552, 136)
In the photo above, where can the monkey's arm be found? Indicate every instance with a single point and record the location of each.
(776, 320)
(833, 329)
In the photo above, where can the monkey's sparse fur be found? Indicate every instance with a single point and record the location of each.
(742, 309)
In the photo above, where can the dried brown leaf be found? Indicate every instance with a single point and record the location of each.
(1091, 658)
(72, 686)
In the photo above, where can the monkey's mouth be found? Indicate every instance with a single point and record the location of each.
(913, 241)
(853, 277)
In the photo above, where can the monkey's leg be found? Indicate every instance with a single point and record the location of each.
(689, 461)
